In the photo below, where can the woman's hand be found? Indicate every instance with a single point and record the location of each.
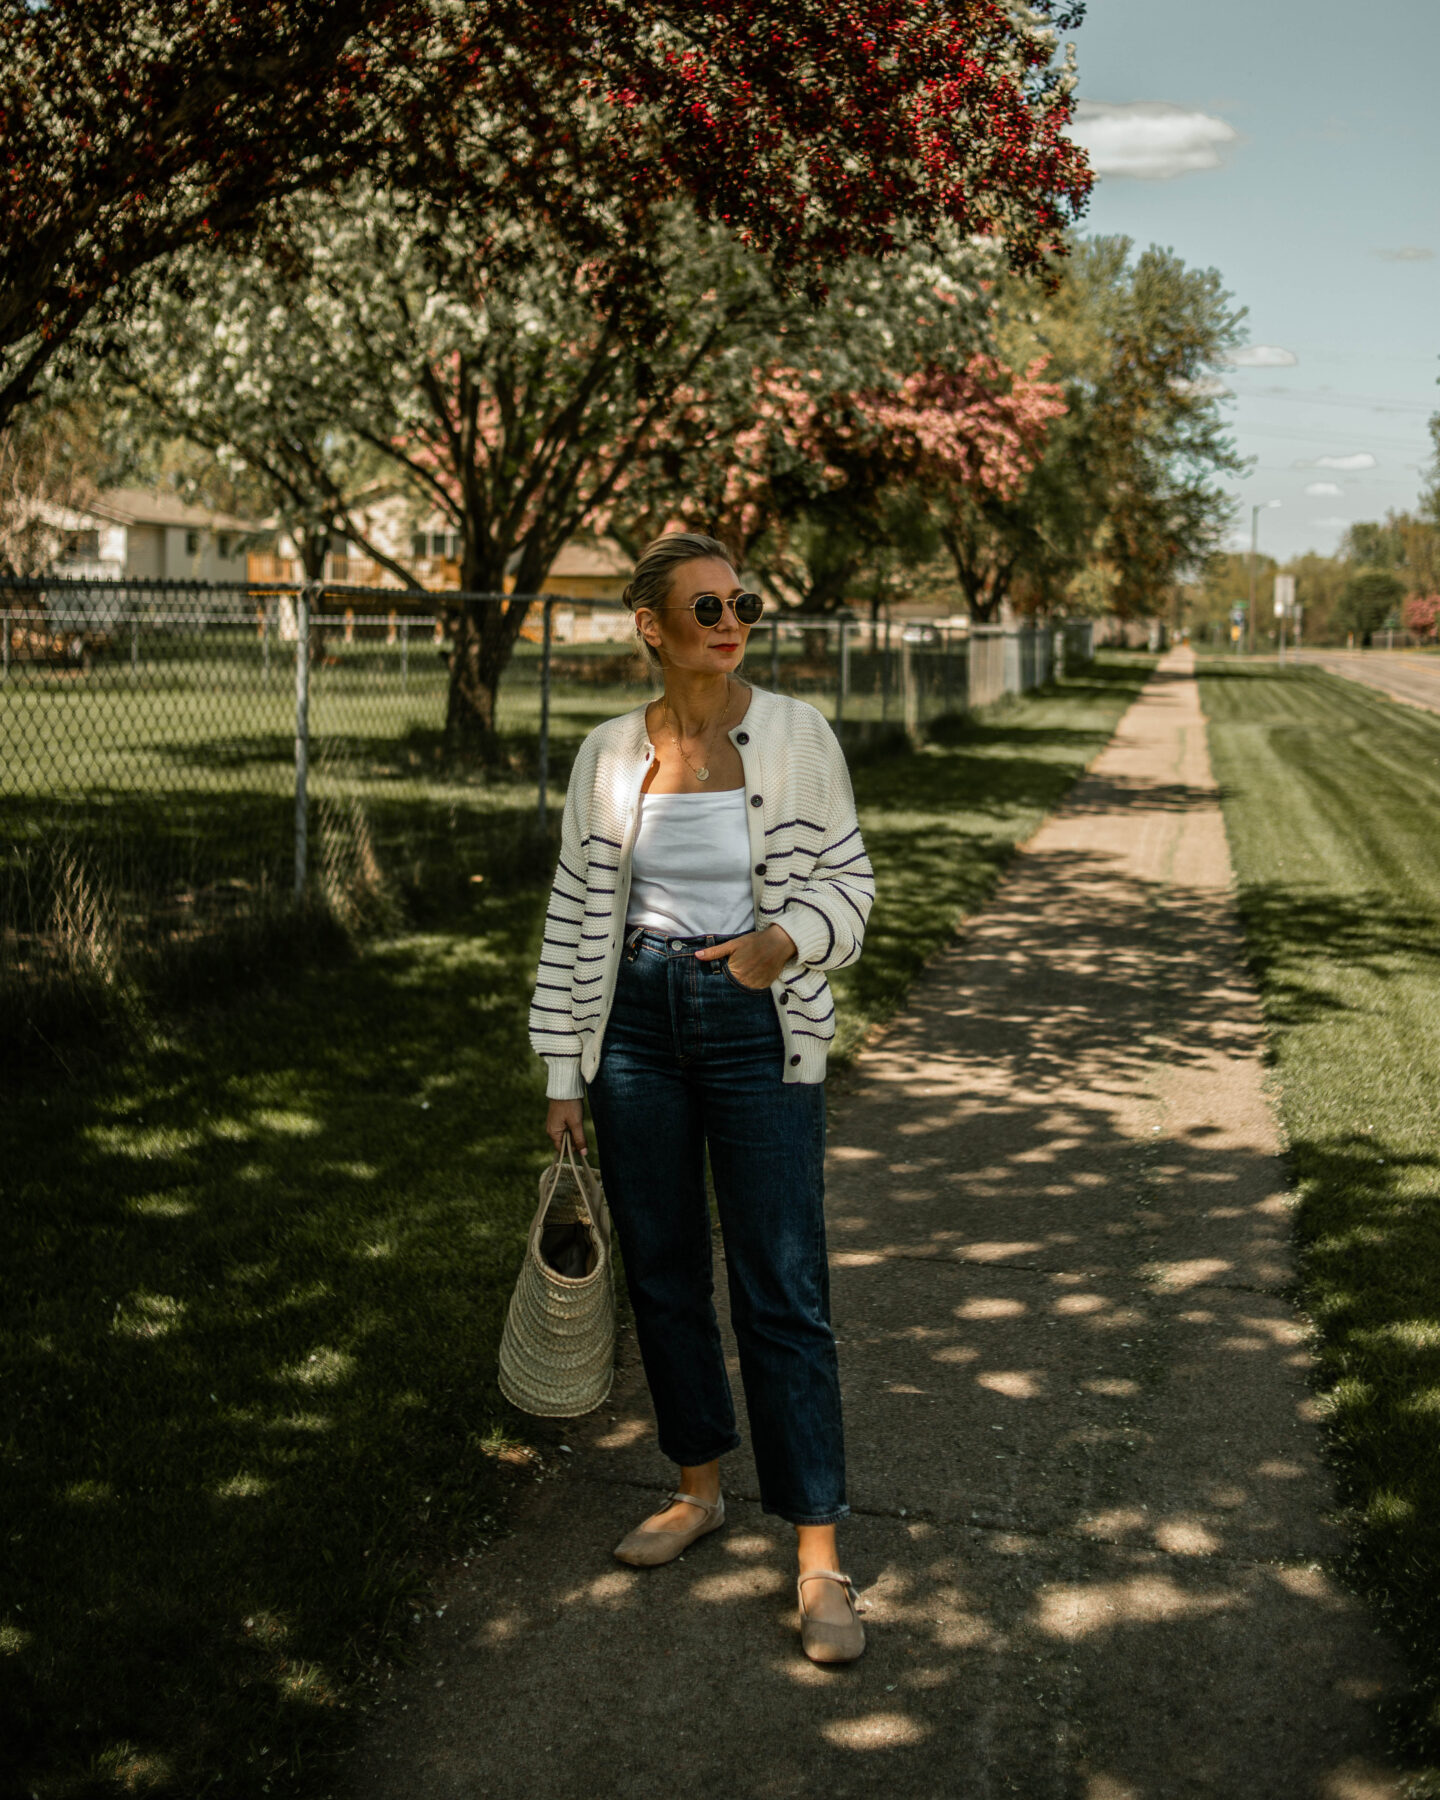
(562, 1116)
(755, 959)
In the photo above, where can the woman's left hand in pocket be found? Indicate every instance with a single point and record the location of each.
(757, 958)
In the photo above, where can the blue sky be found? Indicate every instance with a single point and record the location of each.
(1296, 149)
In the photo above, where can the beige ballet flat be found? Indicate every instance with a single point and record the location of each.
(648, 1549)
(826, 1643)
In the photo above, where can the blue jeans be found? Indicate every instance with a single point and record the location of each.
(692, 1060)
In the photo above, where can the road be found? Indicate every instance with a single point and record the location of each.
(1402, 674)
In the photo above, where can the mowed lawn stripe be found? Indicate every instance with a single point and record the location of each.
(1332, 806)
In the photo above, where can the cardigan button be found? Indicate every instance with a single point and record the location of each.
(759, 868)
(794, 1062)
(742, 737)
(757, 800)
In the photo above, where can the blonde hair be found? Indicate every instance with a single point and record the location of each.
(654, 574)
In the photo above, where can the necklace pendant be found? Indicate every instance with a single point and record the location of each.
(702, 774)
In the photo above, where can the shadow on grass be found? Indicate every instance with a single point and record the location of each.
(1369, 1232)
(263, 1267)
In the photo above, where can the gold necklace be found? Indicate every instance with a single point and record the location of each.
(703, 772)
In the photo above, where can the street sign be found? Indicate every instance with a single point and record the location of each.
(1284, 595)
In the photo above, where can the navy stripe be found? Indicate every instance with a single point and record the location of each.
(595, 890)
(594, 937)
(562, 864)
(558, 1011)
(606, 868)
(595, 838)
(549, 1031)
(818, 1018)
(844, 896)
(589, 980)
(849, 861)
(552, 987)
(821, 1037)
(828, 926)
(840, 843)
(590, 959)
(789, 825)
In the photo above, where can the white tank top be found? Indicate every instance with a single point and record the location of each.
(690, 868)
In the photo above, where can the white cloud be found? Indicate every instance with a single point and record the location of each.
(1407, 253)
(1261, 356)
(1149, 139)
(1323, 490)
(1362, 459)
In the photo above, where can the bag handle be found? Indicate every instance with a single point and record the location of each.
(566, 1152)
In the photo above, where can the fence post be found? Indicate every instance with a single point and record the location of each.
(909, 698)
(775, 654)
(545, 637)
(885, 674)
(405, 654)
(265, 640)
(134, 647)
(842, 676)
(302, 733)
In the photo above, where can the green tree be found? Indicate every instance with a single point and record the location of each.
(1370, 599)
(1126, 496)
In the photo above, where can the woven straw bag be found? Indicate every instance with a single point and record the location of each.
(557, 1354)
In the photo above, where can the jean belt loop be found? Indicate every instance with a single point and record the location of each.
(632, 943)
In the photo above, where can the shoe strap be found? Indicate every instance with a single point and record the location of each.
(691, 1500)
(829, 1575)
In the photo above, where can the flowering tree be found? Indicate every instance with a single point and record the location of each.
(1422, 614)
(1125, 495)
(813, 131)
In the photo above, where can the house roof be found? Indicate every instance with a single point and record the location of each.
(594, 559)
(142, 506)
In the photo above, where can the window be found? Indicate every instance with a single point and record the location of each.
(419, 544)
(80, 546)
(225, 543)
(192, 543)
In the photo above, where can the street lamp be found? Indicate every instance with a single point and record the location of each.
(1255, 512)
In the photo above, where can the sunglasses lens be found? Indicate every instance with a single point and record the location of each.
(748, 608)
(709, 610)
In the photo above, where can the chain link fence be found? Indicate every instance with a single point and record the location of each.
(177, 760)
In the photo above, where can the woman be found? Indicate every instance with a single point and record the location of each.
(710, 870)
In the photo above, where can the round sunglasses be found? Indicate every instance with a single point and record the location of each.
(709, 609)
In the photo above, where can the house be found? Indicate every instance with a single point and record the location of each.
(143, 536)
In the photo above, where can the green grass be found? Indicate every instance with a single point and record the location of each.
(257, 1260)
(1332, 805)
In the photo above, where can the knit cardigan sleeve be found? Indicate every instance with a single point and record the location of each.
(552, 1028)
(826, 916)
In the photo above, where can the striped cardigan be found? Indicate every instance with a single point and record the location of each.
(810, 874)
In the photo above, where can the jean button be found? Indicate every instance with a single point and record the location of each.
(675, 944)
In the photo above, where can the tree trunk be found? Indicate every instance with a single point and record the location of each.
(483, 635)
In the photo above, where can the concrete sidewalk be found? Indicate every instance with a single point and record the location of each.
(1090, 1515)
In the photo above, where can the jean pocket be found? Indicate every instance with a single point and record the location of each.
(736, 982)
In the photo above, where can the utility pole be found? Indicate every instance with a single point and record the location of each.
(1255, 512)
